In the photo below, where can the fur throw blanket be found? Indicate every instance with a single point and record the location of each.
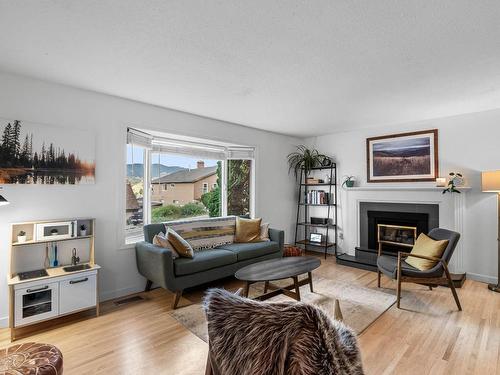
(248, 337)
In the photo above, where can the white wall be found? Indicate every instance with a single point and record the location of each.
(41, 102)
(468, 143)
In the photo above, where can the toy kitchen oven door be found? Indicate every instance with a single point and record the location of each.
(56, 231)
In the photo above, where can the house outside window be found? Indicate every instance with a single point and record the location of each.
(205, 188)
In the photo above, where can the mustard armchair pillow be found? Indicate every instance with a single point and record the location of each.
(424, 245)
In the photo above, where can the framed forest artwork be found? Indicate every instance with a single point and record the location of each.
(403, 157)
(32, 153)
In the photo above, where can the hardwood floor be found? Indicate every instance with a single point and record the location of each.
(427, 336)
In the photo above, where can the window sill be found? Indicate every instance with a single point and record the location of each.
(130, 242)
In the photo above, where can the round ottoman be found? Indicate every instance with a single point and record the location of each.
(31, 359)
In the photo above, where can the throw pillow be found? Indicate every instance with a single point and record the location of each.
(180, 244)
(428, 247)
(162, 241)
(247, 230)
(264, 232)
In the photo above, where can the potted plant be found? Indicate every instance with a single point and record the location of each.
(456, 179)
(21, 236)
(306, 159)
(348, 181)
(54, 232)
(83, 230)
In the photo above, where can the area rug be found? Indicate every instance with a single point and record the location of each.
(360, 306)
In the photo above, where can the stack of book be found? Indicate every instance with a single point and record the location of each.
(319, 197)
(311, 181)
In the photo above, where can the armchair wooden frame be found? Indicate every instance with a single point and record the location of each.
(428, 281)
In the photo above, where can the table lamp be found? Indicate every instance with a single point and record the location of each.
(491, 184)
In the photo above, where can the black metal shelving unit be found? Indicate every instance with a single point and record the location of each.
(304, 225)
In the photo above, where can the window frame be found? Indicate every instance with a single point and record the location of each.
(146, 209)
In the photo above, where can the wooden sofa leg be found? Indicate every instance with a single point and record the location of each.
(149, 284)
(177, 297)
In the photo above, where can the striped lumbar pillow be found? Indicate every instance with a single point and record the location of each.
(206, 233)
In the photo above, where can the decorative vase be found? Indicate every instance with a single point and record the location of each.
(349, 183)
(83, 232)
(21, 239)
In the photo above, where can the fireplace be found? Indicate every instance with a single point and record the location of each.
(396, 225)
(395, 229)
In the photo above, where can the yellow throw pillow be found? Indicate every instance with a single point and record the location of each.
(162, 241)
(428, 247)
(247, 230)
(180, 245)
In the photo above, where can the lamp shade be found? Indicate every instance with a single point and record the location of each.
(491, 181)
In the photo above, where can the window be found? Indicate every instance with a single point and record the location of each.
(188, 195)
(170, 179)
(238, 187)
(134, 190)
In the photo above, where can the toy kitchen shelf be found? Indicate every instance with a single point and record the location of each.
(52, 271)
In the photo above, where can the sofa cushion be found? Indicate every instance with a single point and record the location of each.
(247, 230)
(252, 250)
(205, 233)
(204, 260)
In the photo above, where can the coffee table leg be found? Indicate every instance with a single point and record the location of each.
(266, 286)
(309, 274)
(297, 290)
(247, 289)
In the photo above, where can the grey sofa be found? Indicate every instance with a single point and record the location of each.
(157, 265)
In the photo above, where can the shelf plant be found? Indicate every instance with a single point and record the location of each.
(21, 236)
(306, 159)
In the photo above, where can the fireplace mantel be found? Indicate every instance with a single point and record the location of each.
(451, 208)
(403, 188)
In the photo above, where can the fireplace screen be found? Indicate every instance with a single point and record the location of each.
(396, 235)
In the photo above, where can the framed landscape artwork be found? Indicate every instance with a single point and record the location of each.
(40, 154)
(403, 157)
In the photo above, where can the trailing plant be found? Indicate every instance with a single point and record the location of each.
(452, 184)
(305, 159)
(83, 227)
(21, 233)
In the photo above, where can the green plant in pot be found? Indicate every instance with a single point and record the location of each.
(306, 159)
(456, 179)
(21, 236)
(348, 181)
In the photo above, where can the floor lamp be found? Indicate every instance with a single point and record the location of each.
(491, 184)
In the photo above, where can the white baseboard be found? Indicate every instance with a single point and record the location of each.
(112, 294)
(4, 322)
(482, 278)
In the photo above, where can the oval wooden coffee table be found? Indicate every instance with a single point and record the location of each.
(279, 269)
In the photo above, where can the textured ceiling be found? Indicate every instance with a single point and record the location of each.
(295, 67)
